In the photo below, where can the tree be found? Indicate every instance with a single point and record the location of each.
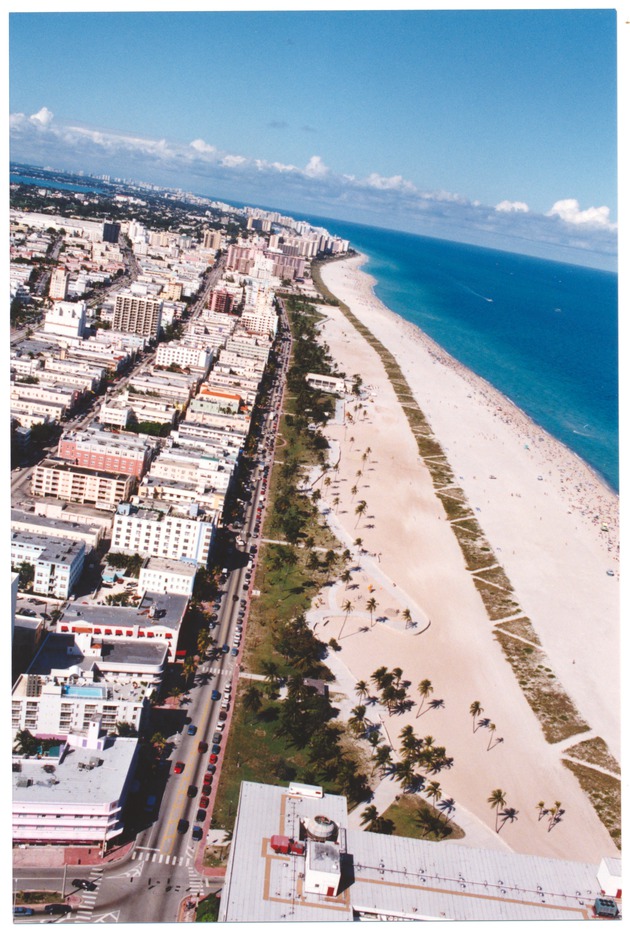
(508, 814)
(406, 616)
(434, 792)
(382, 757)
(252, 700)
(357, 719)
(353, 491)
(369, 817)
(203, 640)
(346, 577)
(447, 805)
(405, 773)
(336, 501)
(126, 729)
(360, 510)
(492, 728)
(361, 688)
(346, 607)
(27, 575)
(371, 605)
(496, 800)
(378, 676)
(542, 810)
(425, 688)
(25, 743)
(475, 711)
(189, 667)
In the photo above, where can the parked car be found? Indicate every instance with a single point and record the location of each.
(222, 715)
(215, 695)
(211, 768)
(179, 767)
(192, 729)
(197, 833)
(216, 737)
(213, 757)
(23, 910)
(56, 908)
(192, 791)
(206, 789)
(234, 651)
(182, 826)
(204, 801)
(216, 749)
(201, 814)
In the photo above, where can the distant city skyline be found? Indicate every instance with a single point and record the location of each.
(492, 127)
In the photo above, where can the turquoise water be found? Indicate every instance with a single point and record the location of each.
(83, 691)
(544, 333)
(54, 185)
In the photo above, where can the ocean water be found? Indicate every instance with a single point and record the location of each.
(54, 185)
(544, 333)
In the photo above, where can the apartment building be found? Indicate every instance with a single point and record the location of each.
(171, 386)
(76, 793)
(181, 494)
(235, 424)
(194, 466)
(159, 574)
(115, 414)
(57, 478)
(215, 400)
(197, 357)
(98, 448)
(163, 531)
(57, 563)
(29, 522)
(137, 314)
(30, 412)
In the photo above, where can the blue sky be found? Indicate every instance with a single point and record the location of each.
(475, 125)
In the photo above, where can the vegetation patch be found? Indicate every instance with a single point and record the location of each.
(604, 793)
(208, 908)
(498, 603)
(474, 546)
(595, 751)
(558, 716)
(521, 627)
(412, 816)
(455, 508)
(497, 576)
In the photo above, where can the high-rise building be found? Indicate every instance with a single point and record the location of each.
(58, 290)
(111, 231)
(134, 314)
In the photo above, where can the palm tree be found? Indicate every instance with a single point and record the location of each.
(357, 719)
(406, 615)
(336, 501)
(353, 491)
(397, 674)
(554, 814)
(492, 728)
(360, 510)
(405, 773)
(369, 817)
(374, 737)
(189, 667)
(475, 710)
(382, 757)
(346, 607)
(252, 699)
(327, 481)
(447, 805)
(203, 640)
(378, 676)
(408, 740)
(361, 688)
(508, 814)
(542, 810)
(496, 800)
(25, 744)
(434, 792)
(346, 577)
(424, 689)
(371, 605)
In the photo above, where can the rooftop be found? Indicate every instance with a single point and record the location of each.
(54, 659)
(169, 612)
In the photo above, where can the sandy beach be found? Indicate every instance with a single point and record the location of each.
(542, 512)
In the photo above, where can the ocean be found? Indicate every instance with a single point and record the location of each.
(544, 333)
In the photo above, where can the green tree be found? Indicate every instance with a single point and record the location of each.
(361, 688)
(425, 688)
(369, 817)
(475, 711)
(371, 606)
(496, 800)
(252, 700)
(25, 743)
(346, 607)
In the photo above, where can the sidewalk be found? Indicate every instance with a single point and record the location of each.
(51, 855)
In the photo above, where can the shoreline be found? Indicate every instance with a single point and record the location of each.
(417, 550)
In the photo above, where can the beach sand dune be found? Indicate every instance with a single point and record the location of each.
(546, 533)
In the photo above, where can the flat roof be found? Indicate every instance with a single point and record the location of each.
(62, 465)
(170, 611)
(54, 655)
(53, 549)
(164, 564)
(73, 782)
(52, 525)
(386, 876)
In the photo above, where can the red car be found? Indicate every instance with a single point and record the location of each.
(207, 779)
(204, 801)
(205, 790)
(179, 767)
(212, 759)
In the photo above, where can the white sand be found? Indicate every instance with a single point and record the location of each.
(546, 534)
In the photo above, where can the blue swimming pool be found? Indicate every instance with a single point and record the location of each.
(83, 691)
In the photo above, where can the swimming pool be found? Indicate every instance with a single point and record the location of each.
(83, 691)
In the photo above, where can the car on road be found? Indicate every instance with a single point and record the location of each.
(201, 814)
(192, 729)
(215, 695)
(204, 801)
(234, 651)
(23, 910)
(213, 757)
(179, 767)
(216, 748)
(225, 648)
(56, 908)
(197, 833)
(216, 737)
(211, 768)
(202, 746)
(222, 715)
(206, 789)
(84, 884)
(192, 791)
(182, 826)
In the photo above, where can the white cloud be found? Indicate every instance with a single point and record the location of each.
(315, 168)
(396, 182)
(512, 206)
(43, 117)
(569, 211)
(202, 147)
(233, 161)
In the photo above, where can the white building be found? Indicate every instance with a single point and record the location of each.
(57, 563)
(197, 357)
(87, 533)
(75, 795)
(56, 478)
(167, 575)
(65, 319)
(163, 531)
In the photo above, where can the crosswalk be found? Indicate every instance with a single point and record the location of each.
(155, 856)
(88, 897)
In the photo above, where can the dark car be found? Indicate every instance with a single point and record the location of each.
(182, 826)
(204, 802)
(216, 737)
(225, 648)
(84, 884)
(202, 746)
(23, 910)
(215, 749)
(211, 768)
(223, 715)
(206, 789)
(234, 651)
(192, 791)
(57, 909)
(197, 833)
(215, 695)
(201, 814)
(192, 729)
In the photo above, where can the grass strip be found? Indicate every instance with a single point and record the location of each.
(604, 792)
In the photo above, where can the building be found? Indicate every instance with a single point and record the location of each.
(89, 534)
(98, 448)
(58, 290)
(167, 575)
(331, 384)
(176, 352)
(137, 314)
(158, 617)
(57, 563)
(293, 858)
(76, 793)
(111, 231)
(56, 478)
(65, 319)
(163, 531)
